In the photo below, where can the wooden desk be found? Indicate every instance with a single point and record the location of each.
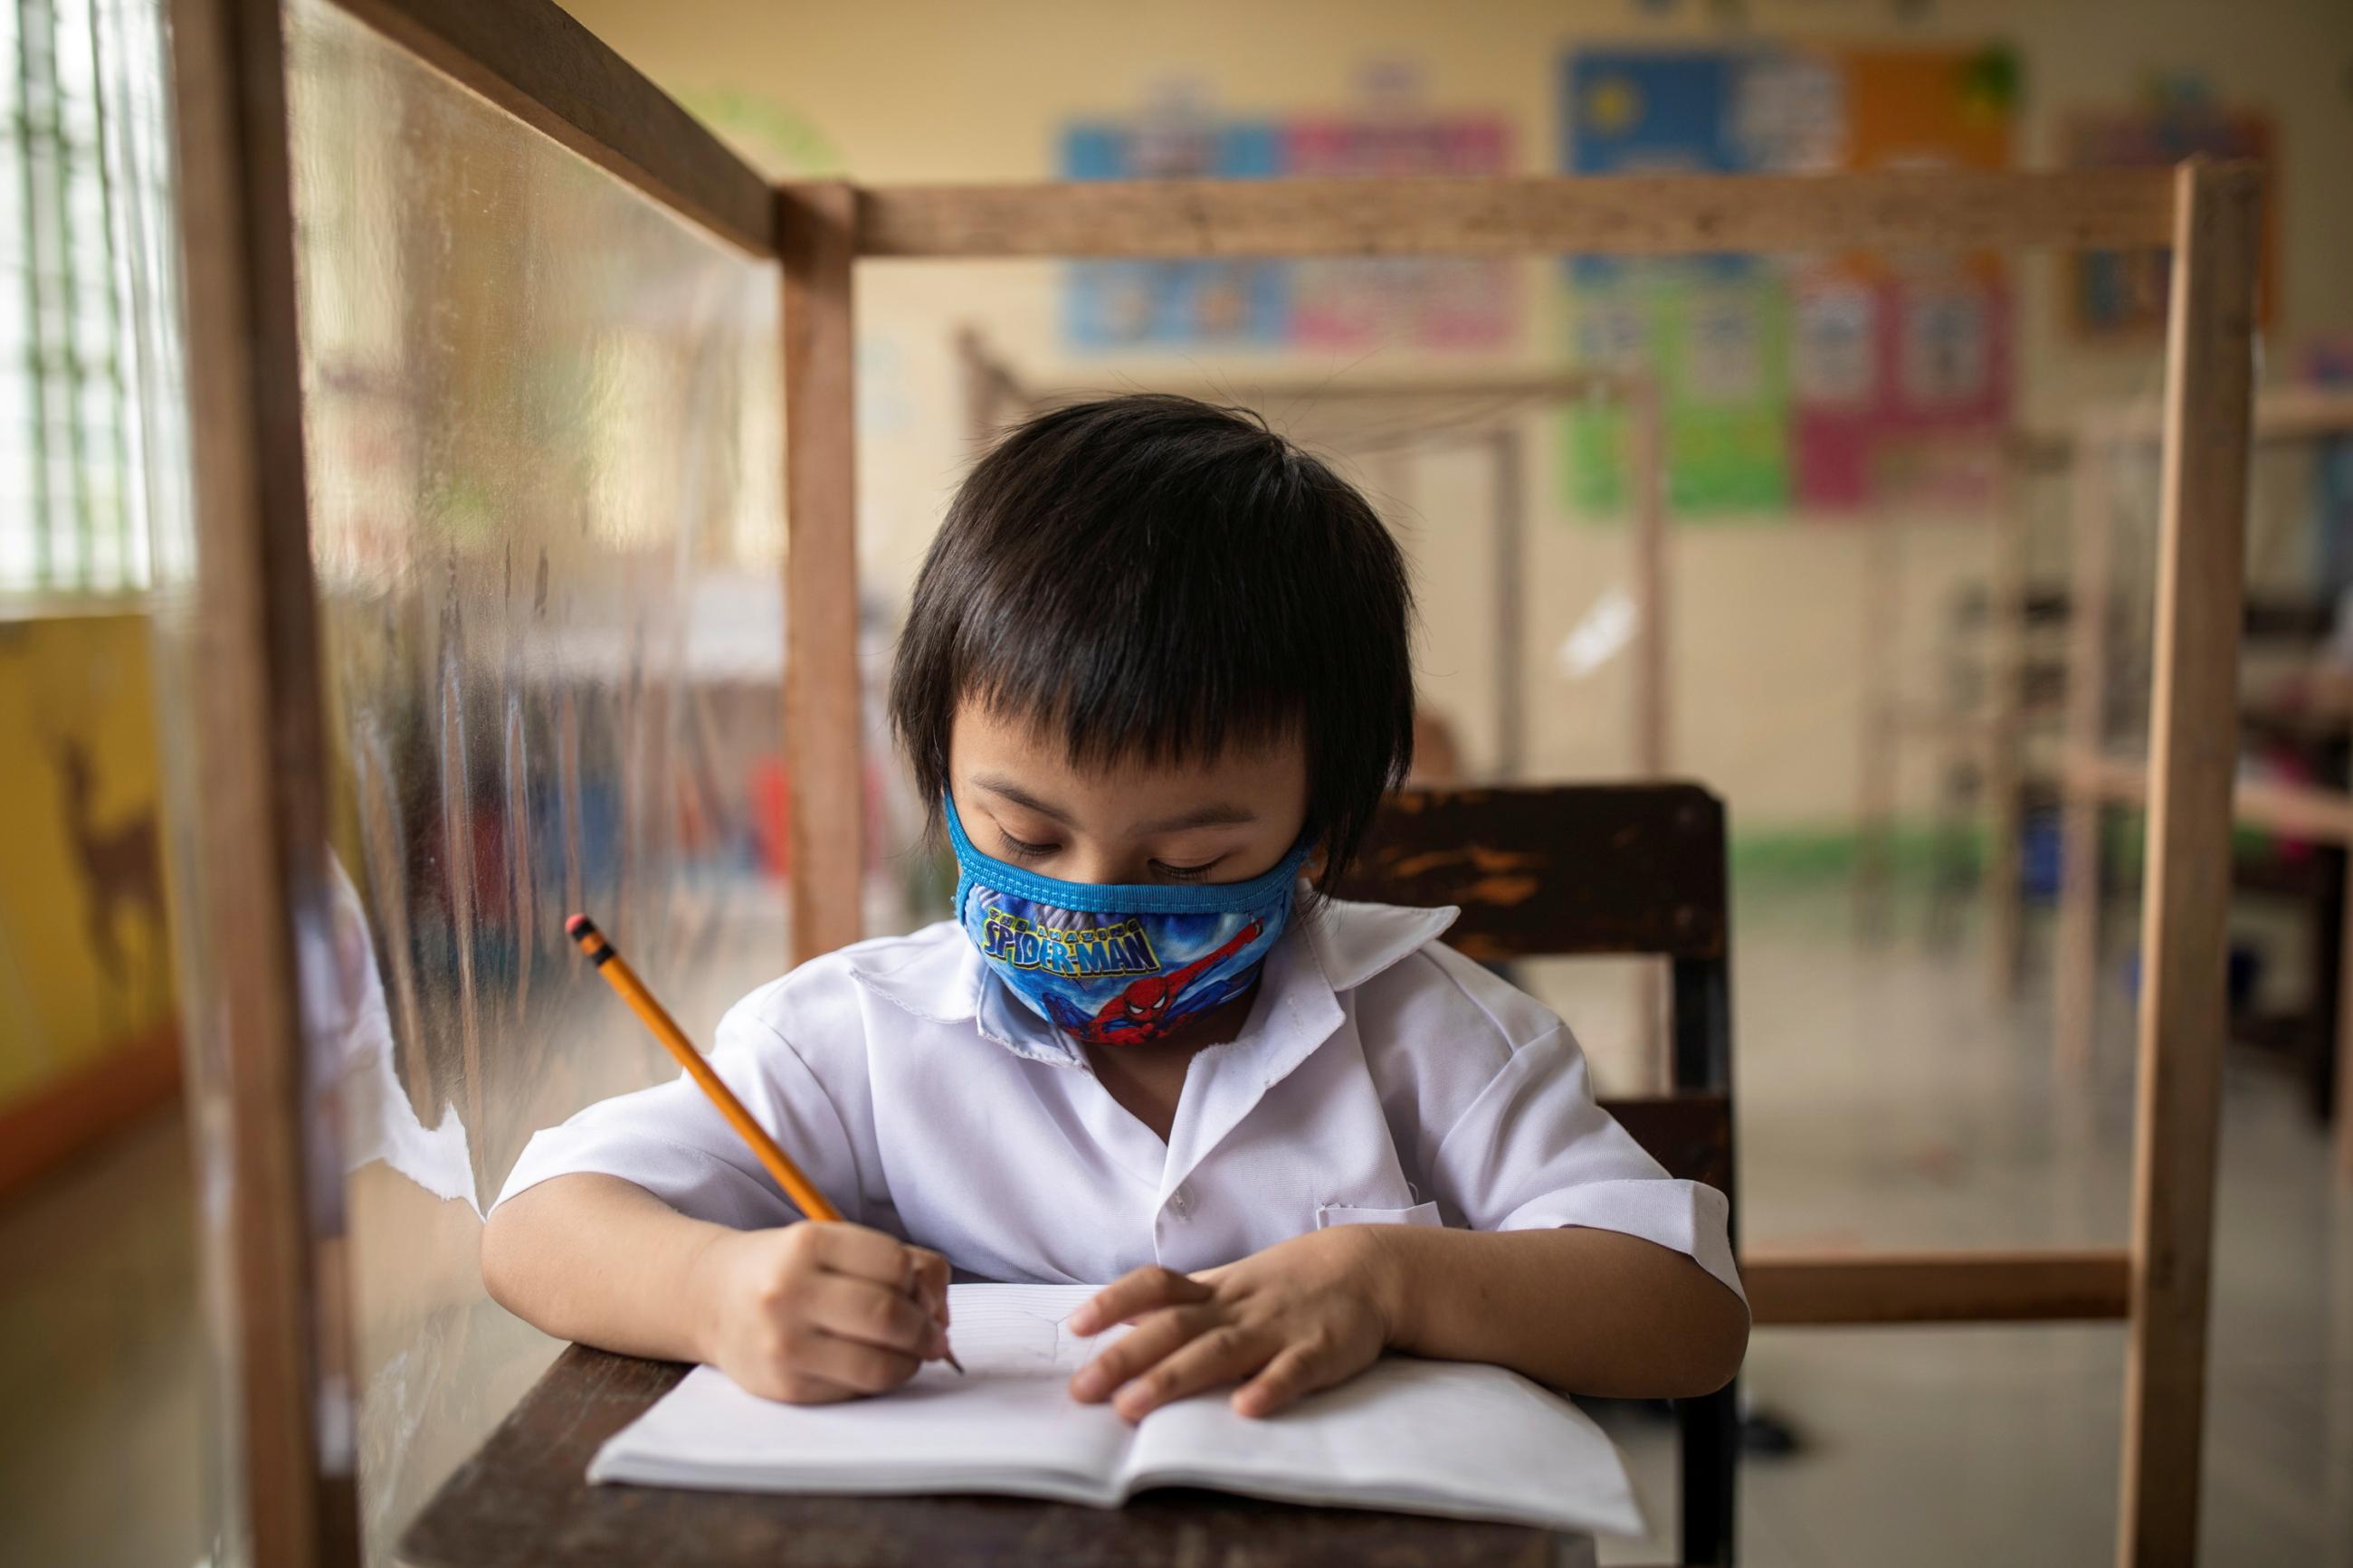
(523, 1501)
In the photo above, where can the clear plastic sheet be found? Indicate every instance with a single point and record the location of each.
(542, 435)
(543, 428)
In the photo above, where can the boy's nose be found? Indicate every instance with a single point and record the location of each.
(1100, 866)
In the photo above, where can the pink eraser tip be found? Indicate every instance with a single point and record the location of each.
(577, 924)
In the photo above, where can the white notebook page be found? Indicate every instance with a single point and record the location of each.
(1428, 1436)
(1008, 1417)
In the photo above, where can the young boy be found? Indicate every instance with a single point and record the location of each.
(1156, 668)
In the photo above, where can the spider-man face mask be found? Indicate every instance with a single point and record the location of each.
(1115, 965)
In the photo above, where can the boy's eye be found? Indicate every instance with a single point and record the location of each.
(1185, 873)
(1022, 849)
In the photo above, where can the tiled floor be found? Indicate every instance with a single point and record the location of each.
(1883, 1100)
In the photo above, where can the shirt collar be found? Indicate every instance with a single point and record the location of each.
(1354, 942)
(1349, 943)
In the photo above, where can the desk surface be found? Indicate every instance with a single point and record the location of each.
(523, 1501)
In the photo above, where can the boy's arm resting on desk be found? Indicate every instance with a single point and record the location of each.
(805, 1313)
(1589, 1311)
(1568, 1254)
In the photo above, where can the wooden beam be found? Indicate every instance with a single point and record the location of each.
(1413, 410)
(2292, 811)
(1507, 452)
(1646, 464)
(1652, 693)
(992, 390)
(2283, 416)
(2004, 754)
(990, 394)
(539, 65)
(2302, 412)
(1789, 1290)
(2193, 756)
(823, 692)
(1628, 215)
(245, 631)
(1353, 392)
(1877, 621)
(2076, 981)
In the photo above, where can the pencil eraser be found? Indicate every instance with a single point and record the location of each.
(577, 924)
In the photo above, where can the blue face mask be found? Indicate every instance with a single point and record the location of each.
(1117, 965)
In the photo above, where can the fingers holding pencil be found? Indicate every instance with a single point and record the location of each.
(923, 1273)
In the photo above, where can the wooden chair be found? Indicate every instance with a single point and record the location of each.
(1589, 871)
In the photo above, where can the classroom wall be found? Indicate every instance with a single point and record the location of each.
(1769, 650)
(85, 974)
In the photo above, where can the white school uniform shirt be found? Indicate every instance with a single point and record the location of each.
(1381, 1077)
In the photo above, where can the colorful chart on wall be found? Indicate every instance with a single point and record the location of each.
(2119, 295)
(1828, 382)
(1328, 304)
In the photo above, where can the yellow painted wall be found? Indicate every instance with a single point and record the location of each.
(74, 683)
(1768, 642)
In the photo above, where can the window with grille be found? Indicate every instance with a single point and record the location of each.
(71, 519)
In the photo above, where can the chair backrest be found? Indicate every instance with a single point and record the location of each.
(1591, 871)
(1557, 870)
(1574, 870)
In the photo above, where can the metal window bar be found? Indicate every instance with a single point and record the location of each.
(73, 528)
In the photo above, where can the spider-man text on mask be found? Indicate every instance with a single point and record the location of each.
(1119, 965)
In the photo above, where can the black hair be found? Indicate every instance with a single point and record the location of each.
(1152, 577)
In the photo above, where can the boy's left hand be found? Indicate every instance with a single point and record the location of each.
(1302, 1315)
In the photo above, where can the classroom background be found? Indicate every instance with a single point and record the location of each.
(1809, 529)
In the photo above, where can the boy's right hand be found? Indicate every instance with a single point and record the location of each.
(813, 1313)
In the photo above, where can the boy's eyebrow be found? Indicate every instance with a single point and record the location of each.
(1216, 814)
(996, 785)
(1213, 813)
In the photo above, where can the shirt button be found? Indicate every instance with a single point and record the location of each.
(1180, 1202)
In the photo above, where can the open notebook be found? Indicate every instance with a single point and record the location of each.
(1423, 1437)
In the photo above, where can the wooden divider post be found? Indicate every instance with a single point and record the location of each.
(247, 625)
(2193, 754)
(824, 698)
(2074, 1007)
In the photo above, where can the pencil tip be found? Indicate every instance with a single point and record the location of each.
(956, 1363)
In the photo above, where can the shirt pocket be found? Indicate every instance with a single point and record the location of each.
(1329, 1215)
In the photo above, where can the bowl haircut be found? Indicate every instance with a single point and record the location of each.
(1151, 577)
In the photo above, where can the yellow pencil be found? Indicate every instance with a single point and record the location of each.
(656, 1018)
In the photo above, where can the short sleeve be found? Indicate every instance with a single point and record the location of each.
(1534, 1150)
(672, 1142)
(1489, 1098)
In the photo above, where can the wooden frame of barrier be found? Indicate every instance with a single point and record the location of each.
(264, 759)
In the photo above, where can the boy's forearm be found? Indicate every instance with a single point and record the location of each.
(1589, 1311)
(603, 1261)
